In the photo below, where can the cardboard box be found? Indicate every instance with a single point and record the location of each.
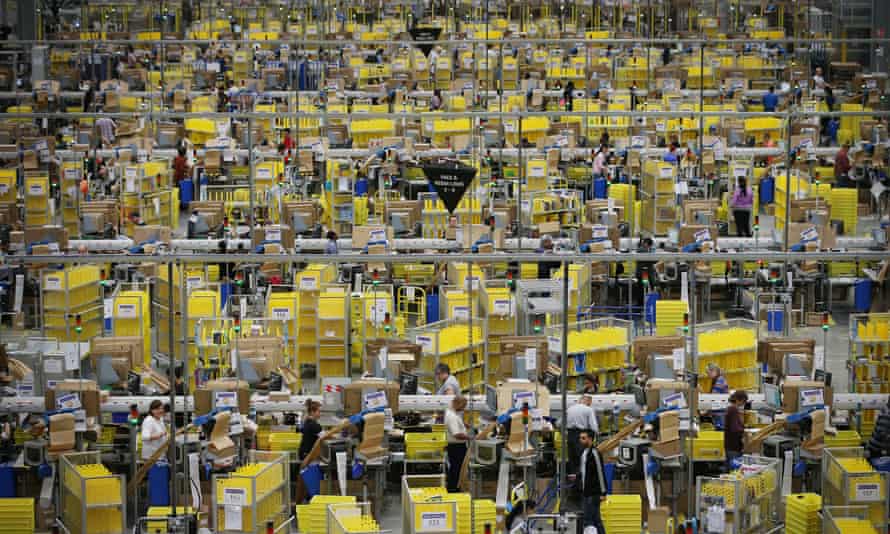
(658, 519)
(772, 351)
(204, 399)
(87, 389)
(655, 387)
(667, 449)
(353, 394)
(646, 346)
(61, 432)
(668, 426)
(688, 231)
(126, 352)
(791, 393)
(141, 234)
(274, 232)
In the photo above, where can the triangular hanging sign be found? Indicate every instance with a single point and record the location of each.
(450, 179)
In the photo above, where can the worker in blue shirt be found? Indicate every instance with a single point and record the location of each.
(770, 100)
(718, 385)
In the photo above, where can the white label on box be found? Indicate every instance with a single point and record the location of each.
(71, 401)
(25, 387)
(52, 366)
(531, 358)
(425, 342)
(520, 398)
(537, 171)
(273, 235)
(72, 361)
(236, 427)
(461, 313)
(660, 126)
(638, 141)
(702, 235)
(471, 282)
(811, 397)
(810, 234)
(666, 172)
(225, 399)
(53, 283)
(739, 171)
(127, 311)
(308, 283)
(501, 307)
(131, 173)
(130, 185)
(234, 500)
(679, 359)
(71, 173)
(681, 187)
(868, 492)
(554, 344)
(600, 231)
(676, 400)
(282, 314)
(35, 190)
(264, 173)
(433, 521)
(193, 282)
(375, 400)
(377, 235)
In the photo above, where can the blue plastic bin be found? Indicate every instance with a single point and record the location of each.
(767, 190)
(600, 188)
(775, 320)
(7, 481)
(862, 295)
(159, 485)
(186, 192)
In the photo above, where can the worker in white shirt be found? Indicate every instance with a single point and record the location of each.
(450, 385)
(456, 436)
(154, 432)
(579, 417)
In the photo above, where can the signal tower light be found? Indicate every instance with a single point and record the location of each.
(237, 326)
(134, 415)
(537, 325)
(825, 321)
(686, 322)
(525, 414)
(78, 324)
(386, 322)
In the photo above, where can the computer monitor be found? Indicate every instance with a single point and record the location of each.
(298, 223)
(106, 374)
(794, 366)
(400, 223)
(198, 226)
(880, 236)
(491, 398)
(772, 396)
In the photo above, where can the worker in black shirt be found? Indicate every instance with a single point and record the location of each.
(592, 481)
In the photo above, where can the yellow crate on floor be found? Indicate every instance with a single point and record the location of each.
(17, 515)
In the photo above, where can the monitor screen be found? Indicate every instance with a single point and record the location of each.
(772, 396)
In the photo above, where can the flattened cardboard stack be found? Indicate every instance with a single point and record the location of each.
(221, 445)
(772, 351)
(668, 443)
(61, 433)
(372, 436)
(264, 353)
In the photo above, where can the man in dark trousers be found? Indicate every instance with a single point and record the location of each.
(593, 482)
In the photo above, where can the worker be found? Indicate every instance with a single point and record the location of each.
(311, 428)
(107, 129)
(770, 100)
(599, 162)
(741, 203)
(180, 165)
(818, 79)
(456, 437)
(591, 384)
(450, 385)
(842, 166)
(546, 249)
(331, 246)
(718, 381)
(593, 481)
(154, 433)
(734, 426)
(288, 141)
(579, 417)
(718, 385)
